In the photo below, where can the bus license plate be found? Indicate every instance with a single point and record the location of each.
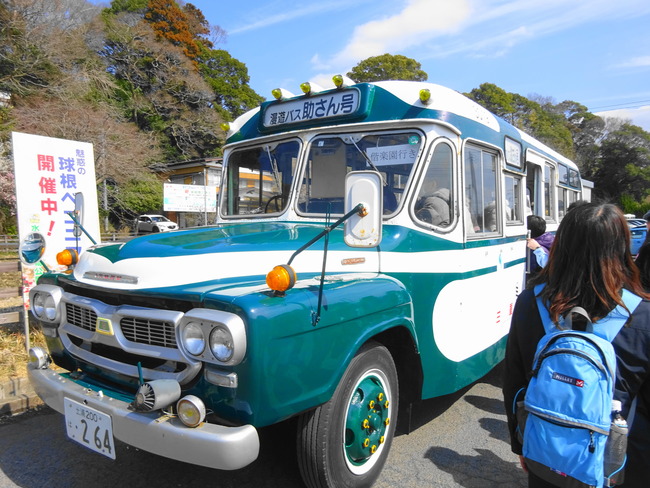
(89, 427)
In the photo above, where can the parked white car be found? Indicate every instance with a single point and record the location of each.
(154, 223)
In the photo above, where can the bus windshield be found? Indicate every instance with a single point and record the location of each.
(258, 180)
(332, 157)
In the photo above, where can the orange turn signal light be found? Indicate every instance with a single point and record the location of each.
(281, 278)
(67, 257)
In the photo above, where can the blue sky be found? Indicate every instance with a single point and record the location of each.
(595, 52)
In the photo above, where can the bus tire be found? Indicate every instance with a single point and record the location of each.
(345, 442)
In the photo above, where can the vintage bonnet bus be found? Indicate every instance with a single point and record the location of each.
(369, 249)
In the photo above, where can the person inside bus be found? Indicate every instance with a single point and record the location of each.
(433, 203)
(490, 217)
(539, 241)
(434, 209)
(593, 280)
(471, 224)
(390, 200)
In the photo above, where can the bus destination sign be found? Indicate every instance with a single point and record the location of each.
(323, 106)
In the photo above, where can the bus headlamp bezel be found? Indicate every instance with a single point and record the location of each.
(218, 329)
(45, 303)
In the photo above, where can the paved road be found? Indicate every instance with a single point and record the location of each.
(457, 441)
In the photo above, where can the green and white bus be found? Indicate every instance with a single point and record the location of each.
(369, 249)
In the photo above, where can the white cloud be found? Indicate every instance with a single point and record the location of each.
(638, 116)
(418, 22)
(497, 25)
(638, 62)
(286, 15)
(483, 28)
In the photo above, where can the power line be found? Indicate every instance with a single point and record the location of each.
(636, 104)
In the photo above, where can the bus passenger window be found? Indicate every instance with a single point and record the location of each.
(483, 209)
(433, 204)
(514, 207)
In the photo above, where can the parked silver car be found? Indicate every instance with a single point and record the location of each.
(154, 223)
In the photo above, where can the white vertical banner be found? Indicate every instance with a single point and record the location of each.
(49, 173)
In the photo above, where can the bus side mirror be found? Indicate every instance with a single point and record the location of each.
(78, 213)
(363, 229)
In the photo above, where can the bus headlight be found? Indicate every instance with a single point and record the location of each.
(191, 410)
(221, 344)
(193, 338)
(39, 358)
(44, 302)
(50, 308)
(38, 305)
(223, 333)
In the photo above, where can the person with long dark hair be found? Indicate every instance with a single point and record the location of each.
(643, 257)
(589, 265)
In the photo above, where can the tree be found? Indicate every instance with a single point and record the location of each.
(200, 28)
(118, 6)
(528, 115)
(228, 79)
(160, 90)
(24, 66)
(623, 164)
(128, 81)
(7, 203)
(495, 99)
(388, 67)
(169, 22)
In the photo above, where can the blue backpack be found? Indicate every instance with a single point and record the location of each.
(566, 414)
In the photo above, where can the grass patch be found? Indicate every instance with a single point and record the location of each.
(10, 279)
(13, 354)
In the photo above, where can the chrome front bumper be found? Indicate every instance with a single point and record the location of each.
(210, 445)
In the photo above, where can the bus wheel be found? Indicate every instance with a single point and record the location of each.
(345, 442)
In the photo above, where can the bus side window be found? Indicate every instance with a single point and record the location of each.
(514, 207)
(482, 205)
(434, 201)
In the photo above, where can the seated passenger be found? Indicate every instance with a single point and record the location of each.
(434, 209)
(490, 217)
(390, 200)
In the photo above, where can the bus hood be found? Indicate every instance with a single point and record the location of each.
(227, 252)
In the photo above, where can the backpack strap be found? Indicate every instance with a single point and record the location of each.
(568, 318)
(607, 327)
(543, 311)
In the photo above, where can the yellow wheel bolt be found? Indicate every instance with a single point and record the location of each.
(380, 397)
(386, 422)
(366, 443)
(386, 404)
(365, 424)
(373, 449)
(382, 439)
(371, 404)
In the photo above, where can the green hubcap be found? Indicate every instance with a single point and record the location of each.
(367, 420)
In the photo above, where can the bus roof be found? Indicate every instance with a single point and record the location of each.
(384, 101)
